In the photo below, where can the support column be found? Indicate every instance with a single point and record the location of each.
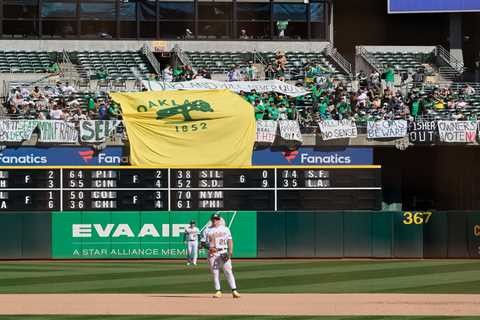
(456, 36)
(330, 23)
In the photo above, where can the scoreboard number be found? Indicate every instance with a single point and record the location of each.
(292, 183)
(75, 174)
(184, 175)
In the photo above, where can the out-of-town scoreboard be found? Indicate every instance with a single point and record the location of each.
(170, 189)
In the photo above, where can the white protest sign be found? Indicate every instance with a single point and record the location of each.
(16, 130)
(266, 131)
(387, 129)
(337, 129)
(94, 131)
(57, 131)
(457, 131)
(236, 86)
(290, 130)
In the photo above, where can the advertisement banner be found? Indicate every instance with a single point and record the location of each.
(133, 235)
(266, 131)
(57, 131)
(16, 130)
(290, 130)
(422, 132)
(235, 86)
(63, 156)
(457, 131)
(337, 129)
(309, 156)
(95, 131)
(213, 127)
(386, 129)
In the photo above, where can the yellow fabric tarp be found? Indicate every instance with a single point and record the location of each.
(203, 128)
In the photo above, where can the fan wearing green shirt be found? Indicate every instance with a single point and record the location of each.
(343, 107)
(282, 26)
(389, 76)
(415, 107)
(259, 110)
(273, 111)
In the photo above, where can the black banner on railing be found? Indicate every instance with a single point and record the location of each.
(422, 132)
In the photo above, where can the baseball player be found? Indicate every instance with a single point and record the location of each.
(190, 237)
(219, 242)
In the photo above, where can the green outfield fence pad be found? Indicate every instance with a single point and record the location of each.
(134, 234)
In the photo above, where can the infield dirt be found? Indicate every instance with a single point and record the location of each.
(249, 304)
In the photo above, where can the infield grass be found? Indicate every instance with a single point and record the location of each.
(261, 276)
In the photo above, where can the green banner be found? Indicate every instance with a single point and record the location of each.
(129, 235)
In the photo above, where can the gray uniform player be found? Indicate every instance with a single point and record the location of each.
(220, 248)
(191, 240)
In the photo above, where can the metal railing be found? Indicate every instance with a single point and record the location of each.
(453, 62)
(333, 53)
(68, 67)
(151, 58)
(182, 56)
(370, 59)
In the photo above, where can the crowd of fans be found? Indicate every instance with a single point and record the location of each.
(371, 96)
(60, 102)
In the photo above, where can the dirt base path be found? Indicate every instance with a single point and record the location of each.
(249, 304)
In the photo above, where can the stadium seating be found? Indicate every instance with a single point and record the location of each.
(220, 62)
(120, 65)
(402, 61)
(26, 61)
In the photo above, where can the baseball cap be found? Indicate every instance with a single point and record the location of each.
(215, 216)
(192, 222)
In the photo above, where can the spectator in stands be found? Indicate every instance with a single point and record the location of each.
(235, 74)
(188, 73)
(389, 76)
(68, 89)
(53, 68)
(418, 77)
(269, 72)
(102, 74)
(282, 26)
(102, 112)
(243, 35)
(188, 34)
(469, 90)
(203, 73)
(56, 112)
(250, 71)
(168, 73)
(36, 93)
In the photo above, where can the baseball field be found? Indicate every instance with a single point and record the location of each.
(271, 289)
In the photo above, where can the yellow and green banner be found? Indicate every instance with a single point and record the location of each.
(215, 127)
(133, 235)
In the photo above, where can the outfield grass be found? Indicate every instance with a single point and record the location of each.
(283, 276)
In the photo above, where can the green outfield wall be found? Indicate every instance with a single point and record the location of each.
(135, 235)
(339, 234)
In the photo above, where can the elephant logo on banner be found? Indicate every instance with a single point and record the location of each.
(185, 109)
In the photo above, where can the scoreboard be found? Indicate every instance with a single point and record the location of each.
(184, 189)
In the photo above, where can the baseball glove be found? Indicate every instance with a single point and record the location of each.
(212, 251)
(225, 257)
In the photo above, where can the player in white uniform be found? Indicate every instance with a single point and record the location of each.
(220, 248)
(191, 239)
